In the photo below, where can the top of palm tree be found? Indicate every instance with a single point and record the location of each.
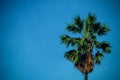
(88, 29)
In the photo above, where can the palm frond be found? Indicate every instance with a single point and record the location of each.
(67, 40)
(89, 23)
(76, 26)
(78, 22)
(97, 44)
(98, 57)
(92, 36)
(90, 19)
(103, 29)
(72, 28)
(83, 45)
(105, 46)
(72, 55)
(96, 27)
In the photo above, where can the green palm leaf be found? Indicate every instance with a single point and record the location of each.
(98, 57)
(103, 30)
(105, 46)
(73, 28)
(72, 55)
(76, 26)
(79, 23)
(67, 40)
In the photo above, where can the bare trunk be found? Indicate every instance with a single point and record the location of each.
(86, 76)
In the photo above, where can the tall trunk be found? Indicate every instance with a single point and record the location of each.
(86, 76)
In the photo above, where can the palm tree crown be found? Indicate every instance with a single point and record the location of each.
(87, 50)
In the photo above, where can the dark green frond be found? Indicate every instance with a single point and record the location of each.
(83, 45)
(89, 23)
(65, 39)
(97, 44)
(69, 41)
(79, 23)
(100, 29)
(103, 30)
(90, 19)
(96, 28)
(98, 57)
(73, 28)
(92, 36)
(72, 55)
(76, 26)
(105, 46)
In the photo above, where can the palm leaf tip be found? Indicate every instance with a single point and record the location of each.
(78, 22)
(106, 47)
(91, 19)
(65, 40)
(76, 26)
(98, 57)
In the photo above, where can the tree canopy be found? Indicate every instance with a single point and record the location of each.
(87, 49)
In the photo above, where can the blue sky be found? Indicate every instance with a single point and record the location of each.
(30, 44)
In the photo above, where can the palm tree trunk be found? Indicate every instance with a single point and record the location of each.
(86, 76)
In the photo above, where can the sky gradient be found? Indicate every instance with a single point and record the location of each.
(30, 47)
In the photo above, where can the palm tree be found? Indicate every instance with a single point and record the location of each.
(87, 50)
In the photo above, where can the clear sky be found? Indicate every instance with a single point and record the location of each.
(30, 47)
